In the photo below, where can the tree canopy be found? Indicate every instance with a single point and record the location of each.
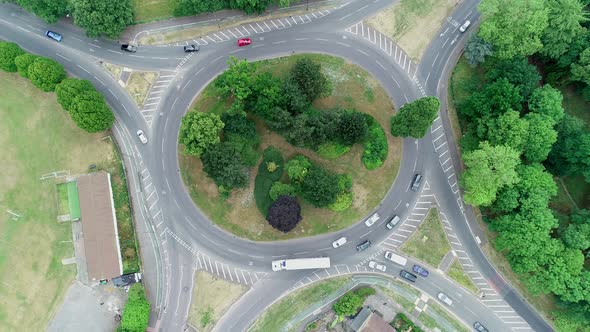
(284, 214)
(199, 130)
(518, 72)
(541, 137)
(49, 10)
(223, 163)
(547, 101)
(414, 119)
(103, 17)
(46, 73)
(23, 62)
(90, 112)
(8, 52)
(476, 50)
(320, 187)
(309, 77)
(564, 25)
(69, 89)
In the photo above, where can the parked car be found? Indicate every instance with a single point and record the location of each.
(397, 259)
(339, 242)
(444, 298)
(191, 48)
(416, 182)
(408, 276)
(420, 270)
(244, 41)
(54, 35)
(372, 219)
(391, 223)
(465, 25)
(377, 266)
(363, 246)
(479, 327)
(129, 48)
(142, 137)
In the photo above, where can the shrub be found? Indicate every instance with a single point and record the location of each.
(23, 62)
(364, 292)
(223, 163)
(247, 147)
(281, 189)
(320, 187)
(348, 304)
(404, 324)
(69, 89)
(352, 127)
(297, 168)
(271, 166)
(238, 124)
(8, 53)
(265, 179)
(284, 214)
(344, 182)
(375, 146)
(136, 313)
(46, 73)
(342, 203)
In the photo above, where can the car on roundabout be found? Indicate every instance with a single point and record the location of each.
(408, 276)
(142, 136)
(54, 35)
(129, 48)
(391, 223)
(444, 298)
(191, 48)
(479, 327)
(363, 246)
(465, 25)
(420, 270)
(244, 41)
(338, 243)
(372, 220)
(377, 266)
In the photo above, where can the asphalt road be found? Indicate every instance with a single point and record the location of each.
(177, 238)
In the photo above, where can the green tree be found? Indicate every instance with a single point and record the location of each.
(294, 100)
(90, 112)
(577, 236)
(581, 69)
(297, 168)
(198, 131)
(238, 124)
(348, 304)
(23, 62)
(281, 189)
(49, 10)
(517, 71)
(493, 99)
(513, 27)
(541, 137)
(571, 153)
(69, 89)
(414, 119)
(223, 163)
(352, 127)
(547, 101)
(103, 17)
(237, 79)
(488, 169)
(476, 50)
(266, 94)
(309, 77)
(508, 129)
(8, 52)
(320, 187)
(46, 73)
(564, 20)
(250, 6)
(136, 313)
(279, 119)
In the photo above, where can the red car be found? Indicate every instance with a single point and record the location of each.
(244, 41)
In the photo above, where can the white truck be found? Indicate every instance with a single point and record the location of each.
(301, 264)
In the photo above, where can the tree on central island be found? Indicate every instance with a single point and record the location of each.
(284, 214)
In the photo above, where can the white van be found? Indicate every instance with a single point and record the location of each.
(397, 259)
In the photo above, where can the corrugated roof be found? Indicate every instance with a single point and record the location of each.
(99, 225)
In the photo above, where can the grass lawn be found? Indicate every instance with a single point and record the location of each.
(211, 297)
(139, 84)
(153, 10)
(429, 243)
(62, 197)
(457, 273)
(37, 137)
(413, 23)
(280, 313)
(353, 87)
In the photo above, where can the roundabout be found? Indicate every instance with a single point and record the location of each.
(177, 238)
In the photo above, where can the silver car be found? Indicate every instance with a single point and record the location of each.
(142, 137)
(445, 299)
(377, 266)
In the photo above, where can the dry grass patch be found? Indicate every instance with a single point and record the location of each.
(114, 70)
(353, 87)
(211, 297)
(413, 23)
(139, 85)
(429, 243)
(457, 273)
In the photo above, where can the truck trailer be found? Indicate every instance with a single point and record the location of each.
(301, 264)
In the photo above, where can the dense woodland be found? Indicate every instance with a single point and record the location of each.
(517, 139)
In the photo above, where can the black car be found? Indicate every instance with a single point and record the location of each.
(420, 270)
(392, 222)
(363, 245)
(408, 276)
(416, 182)
(129, 48)
(191, 48)
(479, 327)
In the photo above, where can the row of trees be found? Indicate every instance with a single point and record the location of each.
(79, 98)
(517, 137)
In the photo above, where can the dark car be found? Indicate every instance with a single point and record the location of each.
(54, 35)
(363, 245)
(416, 182)
(191, 48)
(392, 222)
(479, 327)
(129, 48)
(420, 270)
(408, 276)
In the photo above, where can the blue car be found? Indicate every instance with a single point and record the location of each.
(54, 35)
(420, 270)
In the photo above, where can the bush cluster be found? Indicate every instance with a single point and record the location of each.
(265, 179)
(376, 146)
(350, 303)
(136, 313)
(403, 324)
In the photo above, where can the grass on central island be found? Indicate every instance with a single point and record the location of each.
(429, 243)
(352, 88)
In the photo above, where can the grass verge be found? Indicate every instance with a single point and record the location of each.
(114, 70)
(429, 243)
(404, 302)
(280, 313)
(457, 273)
(139, 84)
(37, 137)
(413, 23)
(456, 326)
(211, 297)
(153, 10)
(239, 214)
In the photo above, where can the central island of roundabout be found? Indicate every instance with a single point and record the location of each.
(289, 147)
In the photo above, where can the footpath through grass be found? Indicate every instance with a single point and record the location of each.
(353, 88)
(429, 243)
(37, 137)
